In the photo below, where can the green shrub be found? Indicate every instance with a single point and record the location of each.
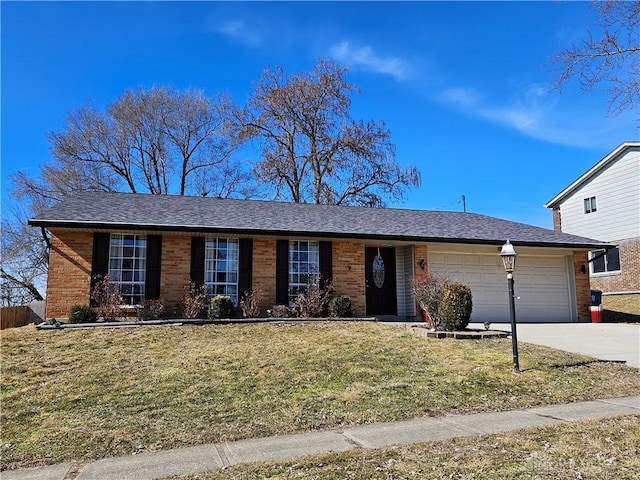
(82, 314)
(455, 306)
(340, 307)
(221, 306)
(151, 309)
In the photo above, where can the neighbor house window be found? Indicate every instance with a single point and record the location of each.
(127, 266)
(605, 261)
(221, 267)
(303, 266)
(590, 205)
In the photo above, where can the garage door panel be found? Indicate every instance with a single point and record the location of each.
(523, 279)
(474, 277)
(493, 278)
(541, 285)
(472, 260)
(436, 259)
(557, 280)
(540, 280)
(453, 259)
(488, 261)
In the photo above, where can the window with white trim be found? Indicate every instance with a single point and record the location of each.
(605, 261)
(303, 266)
(127, 266)
(221, 267)
(590, 205)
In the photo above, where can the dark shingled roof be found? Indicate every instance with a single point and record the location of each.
(101, 210)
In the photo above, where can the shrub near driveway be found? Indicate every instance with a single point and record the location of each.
(84, 395)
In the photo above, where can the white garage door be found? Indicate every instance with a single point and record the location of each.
(541, 285)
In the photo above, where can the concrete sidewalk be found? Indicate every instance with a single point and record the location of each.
(191, 460)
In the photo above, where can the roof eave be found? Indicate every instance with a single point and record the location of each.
(585, 177)
(305, 233)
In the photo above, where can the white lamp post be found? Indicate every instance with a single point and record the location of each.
(508, 255)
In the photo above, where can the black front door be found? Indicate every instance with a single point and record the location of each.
(380, 277)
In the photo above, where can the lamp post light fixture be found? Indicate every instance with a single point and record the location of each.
(508, 255)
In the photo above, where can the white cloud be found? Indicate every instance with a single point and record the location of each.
(460, 96)
(539, 114)
(366, 58)
(520, 114)
(238, 30)
(535, 113)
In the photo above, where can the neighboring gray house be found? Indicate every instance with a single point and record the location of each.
(604, 203)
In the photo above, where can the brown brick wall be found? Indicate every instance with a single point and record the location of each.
(264, 270)
(69, 277)
(348, 273)
(629, 278)
(557, 219)
(175, 270)
(583, 288)
(420, 253)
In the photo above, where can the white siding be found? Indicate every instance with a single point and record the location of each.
(617, 191)
(404, 272)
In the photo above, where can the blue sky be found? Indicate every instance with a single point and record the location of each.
(463, 86)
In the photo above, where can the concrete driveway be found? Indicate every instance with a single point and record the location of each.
(606, 341)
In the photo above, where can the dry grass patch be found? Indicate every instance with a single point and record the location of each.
(621, 308)
(83, 395)
(594, 449)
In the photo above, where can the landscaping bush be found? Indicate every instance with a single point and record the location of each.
(340, 307)
(221, 306)
(313, 301)
(82, 314)
(194, 300)
(454, 309)
(427, 288)
(106, 297)
(283, 311)
(151, 309)
(250, 303)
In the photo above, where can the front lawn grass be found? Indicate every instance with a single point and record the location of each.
(621, 308)
(591, 449)
(80, 395)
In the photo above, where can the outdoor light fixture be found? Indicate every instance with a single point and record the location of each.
(422, 264)
(508, 255)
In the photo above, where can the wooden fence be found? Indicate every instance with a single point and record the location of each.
(11, 317)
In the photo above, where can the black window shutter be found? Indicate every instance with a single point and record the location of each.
(325, 263)
(245, 266)
(282, 272)
(100, 258)
(197, 260)
(154, 260)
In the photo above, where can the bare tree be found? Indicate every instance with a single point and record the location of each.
(610, 56)
(157, 140)
(25, 257)
(312, 151)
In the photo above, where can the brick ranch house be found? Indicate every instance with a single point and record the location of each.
(154, 245)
